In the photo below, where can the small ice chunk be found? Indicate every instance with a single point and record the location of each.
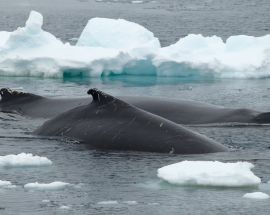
(46, 201)
(65, 207)
(209, 173)
(57, 185)
(256, 195)
(6, 184)
(111, 202)
(153, 203)
(23, 160)
(136, 2)
(74, 39)
(130, 202)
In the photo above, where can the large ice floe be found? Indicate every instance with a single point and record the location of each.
(119, 47)
(23, 160)
(209, 173)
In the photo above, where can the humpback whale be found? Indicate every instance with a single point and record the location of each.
(179, 111)
(112, 124)
(36, 106)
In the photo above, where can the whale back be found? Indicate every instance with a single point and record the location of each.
(110, 123)
(13, 101)
(36, 106)
(13, 96)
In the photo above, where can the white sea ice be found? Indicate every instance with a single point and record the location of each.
(6, 184)
(118, 34)
(130, 202)
(209, 173)
(57, 185)
(256, 195)
(110, 202)
(65, 207)
(23, 160)
(117, 46)
(136, 2)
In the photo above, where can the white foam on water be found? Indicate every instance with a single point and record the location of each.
(256, 195)
(209, 173)
(57, 185)
(117, 46)
(23, 160)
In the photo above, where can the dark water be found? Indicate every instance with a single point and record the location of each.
(122, 176)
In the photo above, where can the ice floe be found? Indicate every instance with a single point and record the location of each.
(209, 173)
(57, 185)
(6, 184)
(117, 34)
(130, 202)
(110, 202)
(136, 2)
(65, 207)
(117, 46)
(23, 160)
(256, 195)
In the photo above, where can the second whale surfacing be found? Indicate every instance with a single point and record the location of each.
(179, 111)
(32, 105)
(112, 124)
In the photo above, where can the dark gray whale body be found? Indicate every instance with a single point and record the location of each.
(111, 124)
(36, 106)
(179, 111)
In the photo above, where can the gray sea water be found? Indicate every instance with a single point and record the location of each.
(131, 176)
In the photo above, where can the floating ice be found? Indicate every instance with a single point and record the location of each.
(209, 173)
(30, 38)
(6, 184)
(256, 195)
(116, 46)
(153, 203)
(4, 35)
(65, 207)
(111, 202)
(23, 160)
(136, 2)
(117, 34)
(240, 56)
(57, 185)
(130, 202)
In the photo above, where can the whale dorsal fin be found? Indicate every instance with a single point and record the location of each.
(10, 95)
(100, 98)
